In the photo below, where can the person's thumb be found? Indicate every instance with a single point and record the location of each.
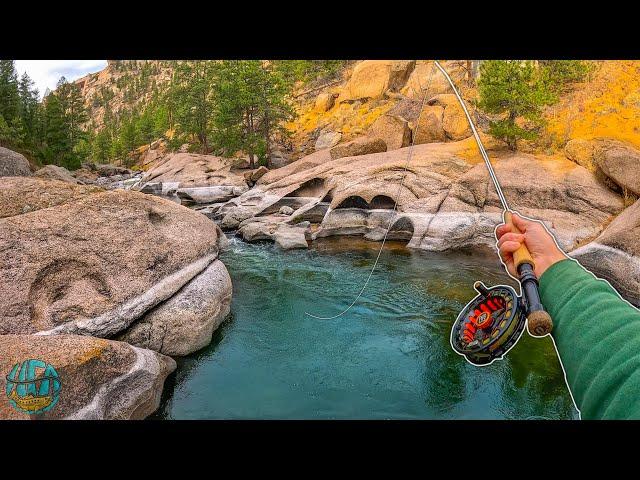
(521, 223)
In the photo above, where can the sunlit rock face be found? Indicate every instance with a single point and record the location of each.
(445, 199)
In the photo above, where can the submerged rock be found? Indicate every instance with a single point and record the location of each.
(289, 237)
(99, 379)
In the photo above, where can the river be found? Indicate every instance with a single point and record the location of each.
(387, 358)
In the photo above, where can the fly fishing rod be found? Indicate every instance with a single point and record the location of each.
(493, 321)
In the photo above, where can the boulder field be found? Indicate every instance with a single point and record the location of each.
(85, 270)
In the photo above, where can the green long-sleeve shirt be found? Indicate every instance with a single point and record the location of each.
(598, 338)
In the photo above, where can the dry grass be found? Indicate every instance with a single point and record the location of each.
(607, 106)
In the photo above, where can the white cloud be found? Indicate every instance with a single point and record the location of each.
(46, 73)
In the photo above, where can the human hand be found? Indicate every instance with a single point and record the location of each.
(541, 244)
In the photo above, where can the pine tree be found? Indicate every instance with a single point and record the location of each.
(9, 96)
(193, 95)
(128, 135)
(75, 113)
(145, 128)
(251, 104)
(30, 111)
(11, 130)
(57, 149)
(101, 146)
(515, 91)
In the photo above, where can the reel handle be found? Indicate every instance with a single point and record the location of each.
(538, 320)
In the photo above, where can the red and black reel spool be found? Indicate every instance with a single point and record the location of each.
(489, 325)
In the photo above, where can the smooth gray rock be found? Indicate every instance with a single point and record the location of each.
(328, 140)
(185, 323)
(13, 164)
(56, 173)
(212, 194)
(615, 254)
(101, 379)
(291, 237)
(134, 395)
(621, 163)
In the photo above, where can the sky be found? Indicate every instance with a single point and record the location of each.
(46, 73)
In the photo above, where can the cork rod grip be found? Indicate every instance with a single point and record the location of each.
(521, 255)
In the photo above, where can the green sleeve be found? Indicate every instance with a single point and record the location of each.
(597, 335)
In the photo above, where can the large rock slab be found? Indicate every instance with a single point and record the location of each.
(454, 121)
(56, 173)
(569, 197)
(97, 264)
(20, 195)
(13, 164)
(214, 194)
(359, 146)
(194, 170)
(621, 163)
(98, 379)
(444, 196)
(615, 254)
(372, 78)
(186, 322)
(393, 130)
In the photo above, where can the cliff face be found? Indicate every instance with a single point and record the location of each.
(383, 98)
(342, 108)
(123, 84)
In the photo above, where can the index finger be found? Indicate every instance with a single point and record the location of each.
(502, 229)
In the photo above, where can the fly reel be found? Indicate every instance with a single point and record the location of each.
(489, 325)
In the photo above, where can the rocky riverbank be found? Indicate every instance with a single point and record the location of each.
(104, 285)
(446, 201)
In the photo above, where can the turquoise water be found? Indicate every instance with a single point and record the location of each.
(387, 358)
